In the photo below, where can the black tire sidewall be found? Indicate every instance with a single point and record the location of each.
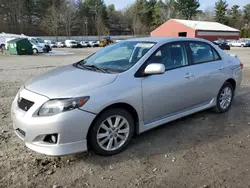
(92, 139)
(218, 98)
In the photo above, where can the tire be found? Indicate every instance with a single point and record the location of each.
(219, 105)
(108, 148)
(242, 45)
(2, 46)
(35, 51)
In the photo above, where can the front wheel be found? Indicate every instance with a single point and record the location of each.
(35, 51)
(224, 98)
(111, 132)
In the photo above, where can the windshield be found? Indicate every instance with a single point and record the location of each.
(33, 41)
(119, 57)
(40, 40)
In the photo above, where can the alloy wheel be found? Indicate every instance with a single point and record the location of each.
(226, 97)
(113, 133)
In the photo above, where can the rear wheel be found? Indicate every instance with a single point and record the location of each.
(111, 133)
(224, 98)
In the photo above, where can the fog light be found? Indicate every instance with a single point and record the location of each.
(51, 138)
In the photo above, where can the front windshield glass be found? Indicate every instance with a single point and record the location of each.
(119, 57)
(40, 40)
(34, 41)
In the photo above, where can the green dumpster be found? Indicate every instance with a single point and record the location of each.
(19, 46)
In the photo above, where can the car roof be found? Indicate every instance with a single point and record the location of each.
(166, 39)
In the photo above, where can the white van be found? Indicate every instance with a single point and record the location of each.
(71, 43)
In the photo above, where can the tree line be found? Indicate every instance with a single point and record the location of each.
(94, 17)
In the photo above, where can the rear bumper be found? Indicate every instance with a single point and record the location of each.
(238, 79)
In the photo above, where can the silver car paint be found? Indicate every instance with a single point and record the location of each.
(68, 81)
(157, 99)
(36, 128)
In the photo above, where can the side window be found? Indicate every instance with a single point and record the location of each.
(171, 55)
(203, 52)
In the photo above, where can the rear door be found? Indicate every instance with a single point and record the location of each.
(208, 69)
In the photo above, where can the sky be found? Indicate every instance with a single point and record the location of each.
(120, 4)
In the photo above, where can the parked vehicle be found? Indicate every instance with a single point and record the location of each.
(238, 43)
(71, 43)
(36, 48)
(106, 41)
(222, 44)
(9, 36)
(61, 44)
(53, 45)
(85, 44)
(5, 37)
(94, 43)
(247, 43)
(126, 88)
(78, 44)
(41, 43)
(48, 42)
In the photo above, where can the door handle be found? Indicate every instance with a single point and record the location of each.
(189, 75)
(222, 68)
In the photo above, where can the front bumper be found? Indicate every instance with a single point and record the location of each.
(47, 48)
(71, 127)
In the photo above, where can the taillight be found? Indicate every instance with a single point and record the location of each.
(241, 65)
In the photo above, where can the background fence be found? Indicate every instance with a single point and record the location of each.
(85, 38)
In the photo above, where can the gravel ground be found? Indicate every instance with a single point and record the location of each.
(203, 150)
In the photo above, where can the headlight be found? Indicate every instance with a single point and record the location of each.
(53, 107)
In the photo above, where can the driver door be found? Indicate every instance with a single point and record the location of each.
(172, 92)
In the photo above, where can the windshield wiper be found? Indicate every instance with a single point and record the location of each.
(92, 67)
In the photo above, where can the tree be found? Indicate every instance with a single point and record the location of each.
(188, 8)
(94, 13)
(111, 8)
(235, 17)
(67, 17)
(246, 11)
(145, 11)
(234, 14)
(172, 10)
(159, 14)
(51, 21)
(220, 11)
(132, 16)
(208, 14)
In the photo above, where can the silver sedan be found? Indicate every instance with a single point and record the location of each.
(100, 102)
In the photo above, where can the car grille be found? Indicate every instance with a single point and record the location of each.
(25, 104)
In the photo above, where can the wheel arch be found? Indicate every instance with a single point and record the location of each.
(232, 82)
(129, 108)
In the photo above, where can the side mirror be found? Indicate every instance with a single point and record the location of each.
(154, 68)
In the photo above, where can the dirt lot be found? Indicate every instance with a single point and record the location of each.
(202, 150)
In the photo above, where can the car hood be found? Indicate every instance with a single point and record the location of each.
(68, 81)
